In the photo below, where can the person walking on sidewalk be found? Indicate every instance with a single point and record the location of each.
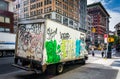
(93, 54)
(102, 52)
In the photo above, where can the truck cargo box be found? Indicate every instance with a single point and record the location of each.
(49, 42)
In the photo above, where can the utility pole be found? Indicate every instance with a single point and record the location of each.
(108, 52)
(93, 35)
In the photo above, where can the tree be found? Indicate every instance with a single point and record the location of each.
(116, 40)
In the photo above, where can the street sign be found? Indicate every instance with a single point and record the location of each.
(105, 35)
(110, 39)
(105, 38)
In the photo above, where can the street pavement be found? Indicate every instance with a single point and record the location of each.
(6, 65)
(101, 68)
(96, 68)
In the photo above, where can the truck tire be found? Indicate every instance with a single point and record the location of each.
(51, 69)
(83, 61)
(1, 54)
(4, 53)
(15, 60)
(59, 68)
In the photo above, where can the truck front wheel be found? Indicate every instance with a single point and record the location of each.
(83, 61)
(59, 68)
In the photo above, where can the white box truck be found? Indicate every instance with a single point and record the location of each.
(43, 43)
(7, 44)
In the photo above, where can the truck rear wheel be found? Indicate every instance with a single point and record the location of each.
(59, 68)
(1, 54)
(15, 60)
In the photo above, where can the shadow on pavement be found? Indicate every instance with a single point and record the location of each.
(32, 75)
(116, 63)
(89, 71)
(98, 71)
(71, 71)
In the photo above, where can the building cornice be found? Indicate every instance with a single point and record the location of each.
(99, 3)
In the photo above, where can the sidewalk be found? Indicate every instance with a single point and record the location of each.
(113, 63)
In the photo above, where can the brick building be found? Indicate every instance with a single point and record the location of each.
(100, 21)
(67, 12)
(6, 16)
(117, 29)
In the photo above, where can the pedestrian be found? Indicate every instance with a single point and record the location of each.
(102, 53)
(93, 54)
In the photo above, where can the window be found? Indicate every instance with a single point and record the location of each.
(65, 20)
(17, 6)
(4, 19)
(46, 2)
(39, 11)
(25, 9)
(58, 10)
(26, 15)
(65, 7)
(33, 6)
(71, 22)
(75, 24)
(3, 5)
(48, 16)
(58, 18)
(66, 1)
(1, 19)
(40, 4)
(33, 13)
(2, 29)
(58, 3)
(31, 1)
(7, 30)
(7, 20)
(65, 14)
(25, 2)
(48, 9)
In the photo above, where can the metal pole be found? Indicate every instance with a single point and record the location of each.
(107, 29)
(106, 51)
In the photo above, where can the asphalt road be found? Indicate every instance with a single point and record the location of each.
(6, 65)
(71, 71)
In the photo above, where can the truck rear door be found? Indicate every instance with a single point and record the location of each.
(30, 40)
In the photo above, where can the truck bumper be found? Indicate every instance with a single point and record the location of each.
(86, 57)
(27, 68)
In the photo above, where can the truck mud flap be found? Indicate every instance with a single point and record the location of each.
(27, 68)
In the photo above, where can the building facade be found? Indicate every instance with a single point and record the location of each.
(100, 21)
(66, 12)
(83, 14)
(117, 29)
(89, 30)
(6, 16)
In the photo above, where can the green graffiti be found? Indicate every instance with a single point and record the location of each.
(52, 51)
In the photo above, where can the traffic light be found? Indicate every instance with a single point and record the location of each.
(93, 30)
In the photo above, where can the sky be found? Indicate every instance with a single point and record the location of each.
(113, 8)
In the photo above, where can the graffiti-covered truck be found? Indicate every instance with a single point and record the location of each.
(44, 44)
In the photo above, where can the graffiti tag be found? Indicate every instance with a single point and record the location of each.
(64, 35)
(51, 33)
